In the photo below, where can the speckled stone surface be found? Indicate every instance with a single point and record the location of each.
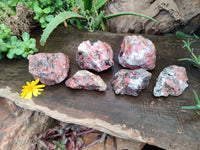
(97, 56)
(137, 52)
(50, 68)
(84, 79)
(171, 81)
(131, 82)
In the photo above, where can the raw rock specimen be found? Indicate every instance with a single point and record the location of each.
(97, 56)
(84, 79)
(171, 81)
(50, 68)
(131, 82)
(137, 52)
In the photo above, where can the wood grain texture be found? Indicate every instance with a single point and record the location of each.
(157, 121)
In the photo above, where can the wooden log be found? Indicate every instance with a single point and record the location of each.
(157, 121)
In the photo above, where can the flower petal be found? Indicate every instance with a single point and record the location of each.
(23, 94)
(40, 89)
(35, 93)
(39, 86)
(35, 82)
(28, 83)
(29, 95)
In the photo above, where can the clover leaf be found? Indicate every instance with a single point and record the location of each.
(25, 36)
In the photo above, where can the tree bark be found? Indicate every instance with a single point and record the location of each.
(172, 15)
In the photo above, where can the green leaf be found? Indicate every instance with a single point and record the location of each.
(3, 27)
(198, 66)
(32, 45)
(11, 54)
(36, 17)
(195, 36)
(12, 3)
(32, 40)
(56, 143)
(35, 4)
(188, 59)
(43, 25)
(128, 13)
(87, 4)
(42, 20)
(98, 4)
(52, 8)
(59, 3)
(198, 113)
(196, 97)
(78, 23)
(49, 18)
(18, 51)
(55, 22)
(183, 35)
(47, 10)
(190, 107)
(37, 10)
(13, 40)
(25, 36)
(99, 19)
(24, 55)
(3, 48)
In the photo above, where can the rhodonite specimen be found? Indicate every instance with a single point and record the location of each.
(137, 52)
(97, 56)
(50, 68)
(171, 81)
(84, 79)
(131, 82)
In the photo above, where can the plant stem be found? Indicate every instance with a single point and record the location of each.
(193, 55)
(52, 136)
(191, 107)
(86, 132)
(95, 10)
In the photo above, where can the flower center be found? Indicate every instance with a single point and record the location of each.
(31, 88)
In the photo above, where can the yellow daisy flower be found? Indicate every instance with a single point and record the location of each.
(32, 89)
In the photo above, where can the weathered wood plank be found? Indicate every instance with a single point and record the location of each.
(158, 121)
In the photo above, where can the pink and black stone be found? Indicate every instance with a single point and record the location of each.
(131, 82)
(137, 52)
(97, 56)
(171, 81)
(50, 68)
(84, 79)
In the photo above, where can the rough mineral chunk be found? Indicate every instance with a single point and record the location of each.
(97, 56)
(84, 79)
(171, 81)
(137, 52)
(50, 68)
(131, 82)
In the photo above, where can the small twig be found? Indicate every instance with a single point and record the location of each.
(85, 132)
(52, 136)
(65, 23)
(73, 144)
